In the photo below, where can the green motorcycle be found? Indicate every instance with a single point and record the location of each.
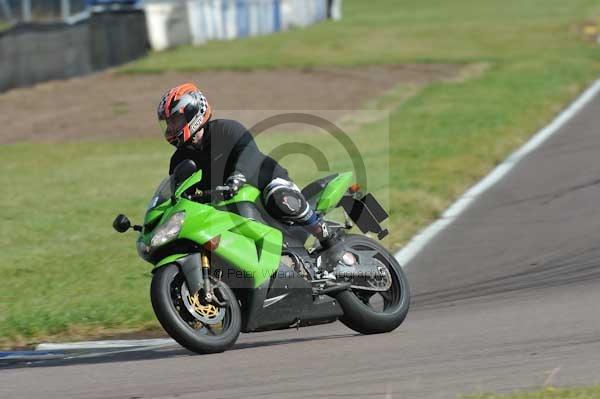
(222, 267)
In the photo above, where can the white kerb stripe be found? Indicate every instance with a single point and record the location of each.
(91, 345)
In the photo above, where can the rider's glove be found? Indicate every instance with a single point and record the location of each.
(234, 182)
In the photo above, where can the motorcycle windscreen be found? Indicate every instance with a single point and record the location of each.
(162, 193)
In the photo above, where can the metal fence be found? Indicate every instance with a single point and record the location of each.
(31, 53)
(41, 11)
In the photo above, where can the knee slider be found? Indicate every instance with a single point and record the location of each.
(284, 201)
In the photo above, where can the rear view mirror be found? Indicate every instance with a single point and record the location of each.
(183, 171)
(121, 224)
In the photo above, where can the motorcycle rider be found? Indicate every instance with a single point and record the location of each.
(228, 155)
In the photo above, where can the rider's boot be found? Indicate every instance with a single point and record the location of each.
(328, 253)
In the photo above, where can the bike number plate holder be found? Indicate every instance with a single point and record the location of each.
(367, 213)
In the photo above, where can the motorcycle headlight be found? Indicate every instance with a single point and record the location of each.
(143, 250)
(168, 231)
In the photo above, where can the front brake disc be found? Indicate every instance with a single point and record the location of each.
(207, 313)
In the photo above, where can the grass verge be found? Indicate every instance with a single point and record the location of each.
(402, 31)
(64, 270)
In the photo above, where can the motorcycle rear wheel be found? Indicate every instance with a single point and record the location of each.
(360, 312)
(181, 325)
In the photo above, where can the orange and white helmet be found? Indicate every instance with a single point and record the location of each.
(182, 112)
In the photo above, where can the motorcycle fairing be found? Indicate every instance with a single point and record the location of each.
(252, 247)
(333, 192)
(285, 300)
(246, 194)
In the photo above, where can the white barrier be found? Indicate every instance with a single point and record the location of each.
(336, 10)
(168, 24)
(228, 19)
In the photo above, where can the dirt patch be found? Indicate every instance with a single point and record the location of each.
(123, 106)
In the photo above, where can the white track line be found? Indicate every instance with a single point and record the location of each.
(419, 241)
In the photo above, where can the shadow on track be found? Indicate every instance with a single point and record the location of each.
(138, 354)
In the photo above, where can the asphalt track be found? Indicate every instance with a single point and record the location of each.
(506, 298)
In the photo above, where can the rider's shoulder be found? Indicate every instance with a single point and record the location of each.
(228, 125)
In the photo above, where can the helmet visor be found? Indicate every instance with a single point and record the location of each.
(173, 126)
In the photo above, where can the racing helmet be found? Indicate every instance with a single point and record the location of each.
(182, 112)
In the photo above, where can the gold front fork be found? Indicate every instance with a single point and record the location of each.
(205, 262)
(206, 277)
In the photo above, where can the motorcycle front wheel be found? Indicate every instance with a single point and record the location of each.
(196, 325)
(369, 312)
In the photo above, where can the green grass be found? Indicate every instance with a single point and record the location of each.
(401, 31)
(66, 273)
(547, 393)
(63, 266)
